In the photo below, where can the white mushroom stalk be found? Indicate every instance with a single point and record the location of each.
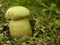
(19, 24)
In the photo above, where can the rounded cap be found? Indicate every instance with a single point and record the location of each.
(17, 12)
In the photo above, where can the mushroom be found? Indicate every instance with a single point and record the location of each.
(19, 25)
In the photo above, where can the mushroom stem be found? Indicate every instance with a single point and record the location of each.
(20, 28)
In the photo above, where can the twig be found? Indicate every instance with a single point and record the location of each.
(41, 3)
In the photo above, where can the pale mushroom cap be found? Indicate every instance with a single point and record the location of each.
(17, 12)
